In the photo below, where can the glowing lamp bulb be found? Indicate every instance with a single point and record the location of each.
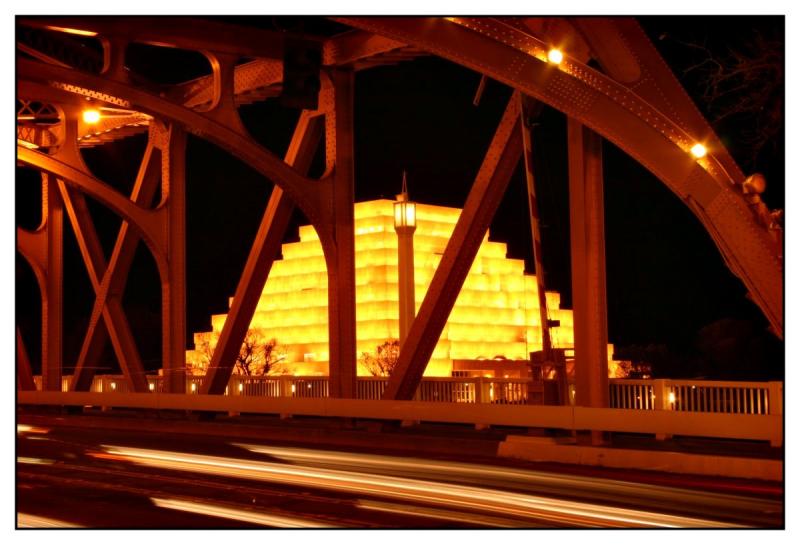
(555, 56)
(91, 116)
(699, 151)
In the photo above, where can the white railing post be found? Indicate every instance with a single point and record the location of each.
(482, 396)
(775, 397)
(775, 401)
(235, 388)
(287, 385)
(661, 402)
(487, 388)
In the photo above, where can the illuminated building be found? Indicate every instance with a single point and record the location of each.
(496, 313)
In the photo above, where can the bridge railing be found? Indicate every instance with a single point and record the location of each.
(733, 410)
(697, 396)
(659, 394)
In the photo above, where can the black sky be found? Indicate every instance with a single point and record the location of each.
(666, 279)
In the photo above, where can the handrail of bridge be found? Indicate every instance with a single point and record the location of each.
(750, 427)
(731, 397)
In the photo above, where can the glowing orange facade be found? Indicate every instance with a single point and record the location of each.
(496, 313)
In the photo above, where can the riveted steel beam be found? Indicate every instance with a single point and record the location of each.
(114, 321)
(53, 300)
(487, 191)
(173, 276)
(626, 53)
(616, 112)
(260, 259)
(147, 222)
(303, 191)
(587, 235)
(340, 256)
(182, 32)
(340, 51)
(108, 296)
(527, 109)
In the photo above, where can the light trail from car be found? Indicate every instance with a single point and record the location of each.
(227, 512)
(537, 508)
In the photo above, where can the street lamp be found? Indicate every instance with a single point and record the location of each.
(555, 56)
(699, 150)
(91, 116)
(405, 223)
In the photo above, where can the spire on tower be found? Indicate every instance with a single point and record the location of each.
(403, 196)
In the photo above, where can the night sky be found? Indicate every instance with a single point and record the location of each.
(666, 279)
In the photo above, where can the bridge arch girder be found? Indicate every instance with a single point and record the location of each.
(146, 222)
(618, 114)
(307, 194)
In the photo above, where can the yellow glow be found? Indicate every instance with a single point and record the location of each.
(699, 150)
(671, 397)
(91, 116)
(555, 56)
(74, 31)
(152, 386)
(496, 313)
(405, 214)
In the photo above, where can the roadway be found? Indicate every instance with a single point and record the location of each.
(115, 478)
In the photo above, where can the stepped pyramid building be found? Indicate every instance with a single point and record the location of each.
(495, 316)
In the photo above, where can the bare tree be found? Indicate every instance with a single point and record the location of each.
(381, 363)
(205, 350)
(260, 357)
(257, 356)
(743, 86)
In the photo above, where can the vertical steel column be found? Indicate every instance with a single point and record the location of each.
(53, 300)
(588, 266)
(173, 288)
(536, 236)
(342, 268)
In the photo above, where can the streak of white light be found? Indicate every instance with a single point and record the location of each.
(442, 514)
(417, 465)
(35, 461)
(216, 510)
(24, 428)
(562, 511)
(25, 520)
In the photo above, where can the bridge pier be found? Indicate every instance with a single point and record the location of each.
(587, 238)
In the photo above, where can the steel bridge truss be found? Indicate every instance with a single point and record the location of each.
(633, 101)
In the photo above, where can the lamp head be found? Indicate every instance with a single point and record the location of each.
(405, 211)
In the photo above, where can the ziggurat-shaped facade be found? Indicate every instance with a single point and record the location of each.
(496, 313)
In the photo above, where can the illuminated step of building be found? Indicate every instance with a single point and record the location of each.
(496, 313)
